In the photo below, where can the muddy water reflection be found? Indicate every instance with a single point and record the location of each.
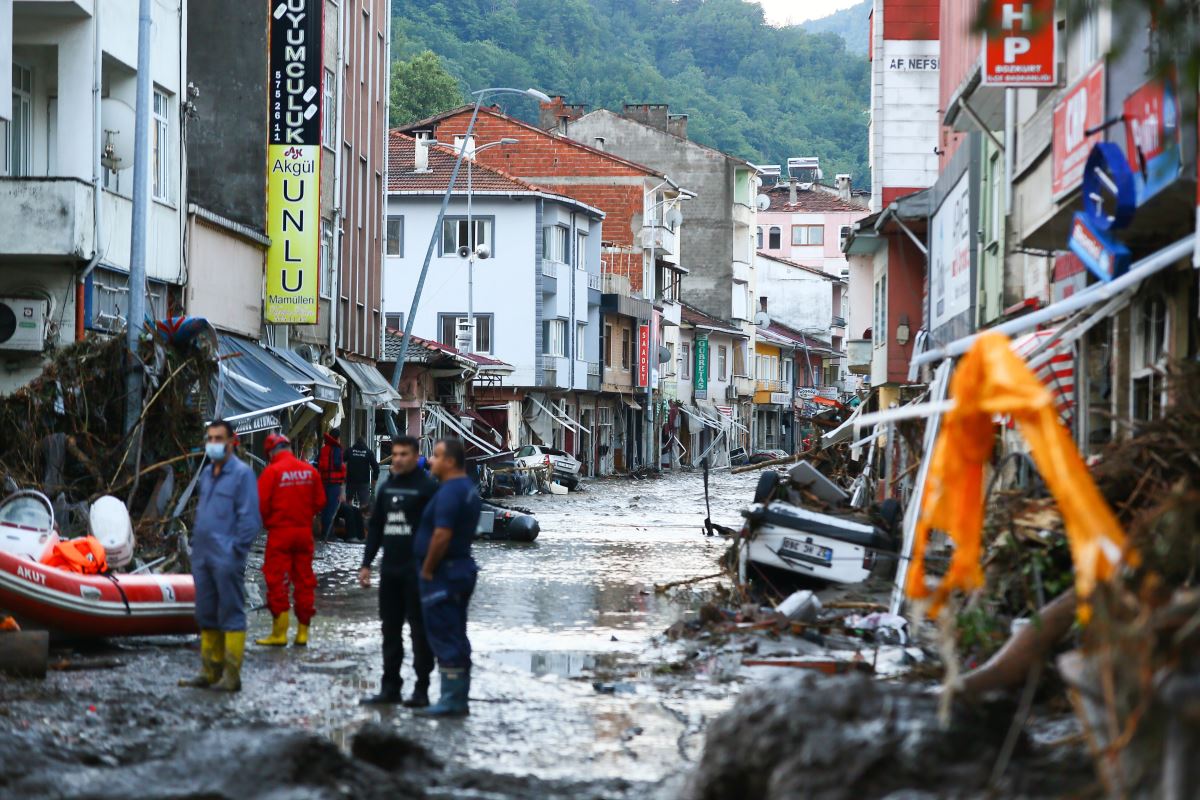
(564, 685)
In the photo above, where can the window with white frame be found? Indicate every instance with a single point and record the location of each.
(394, 245)
(774, 238)
(722, 363)
(394, 321)
(671, 361)
(18, 149)
(326, 279)
(807, 235)
(162, 146)
(454, 234)
(1148, 359)
(685, 361)
(450, 324)
(581, 341)
(740, 308)
(741, 359)
(581, 251)
(554, 243)
(555, 340)
(759, 238)
(329, 111)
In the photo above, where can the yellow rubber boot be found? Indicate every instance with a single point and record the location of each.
(279, 630)
(235, 649)
(301, 639)
(212, 661)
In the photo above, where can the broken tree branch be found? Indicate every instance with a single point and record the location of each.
(1028, 646)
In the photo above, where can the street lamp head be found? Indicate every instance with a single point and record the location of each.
(509, 140)
(539, 96)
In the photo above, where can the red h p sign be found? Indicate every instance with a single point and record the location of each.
(1019, 48)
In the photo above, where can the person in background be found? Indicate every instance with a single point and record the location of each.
(289, 496)
(362, 470)
(399, 504)
(333, 476)
(448, 574)
(227, 523)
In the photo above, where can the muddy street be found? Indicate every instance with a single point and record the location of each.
(570, 687)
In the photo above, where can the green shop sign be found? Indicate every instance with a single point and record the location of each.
(701, 380)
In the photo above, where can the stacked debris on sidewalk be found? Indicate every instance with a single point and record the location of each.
(64, 434)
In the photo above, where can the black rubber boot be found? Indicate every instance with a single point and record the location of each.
(389, 695)
(420, 695)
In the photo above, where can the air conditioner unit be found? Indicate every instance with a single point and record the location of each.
(731, 392)
(22, 324)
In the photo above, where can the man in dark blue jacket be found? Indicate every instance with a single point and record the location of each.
(448, 573)
(227, 523)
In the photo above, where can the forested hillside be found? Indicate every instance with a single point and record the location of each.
(755, 91)
(849, 23)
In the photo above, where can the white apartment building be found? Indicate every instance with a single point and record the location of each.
(66, 171)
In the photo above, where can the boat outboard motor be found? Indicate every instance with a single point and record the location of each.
(108, 521)
(523, 528)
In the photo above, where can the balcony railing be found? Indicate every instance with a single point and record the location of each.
(550, 268)
(595, 281)
(593, 368)
(765, 385)
(838, 322)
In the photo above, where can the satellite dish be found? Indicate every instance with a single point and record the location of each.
(116, 139)
(763, 202)
(675, 218)
(762, 319)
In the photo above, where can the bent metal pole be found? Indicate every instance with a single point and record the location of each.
(136, 313)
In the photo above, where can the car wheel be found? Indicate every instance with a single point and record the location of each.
(767, 483)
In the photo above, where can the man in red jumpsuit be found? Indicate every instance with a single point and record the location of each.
(289, 496)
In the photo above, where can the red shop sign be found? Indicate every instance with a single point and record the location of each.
(643, 355)
(1079, 110)
(1019, 46)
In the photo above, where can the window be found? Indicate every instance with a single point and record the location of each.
(787, 371)
(454, 234)
(362, 190)
(667, 281)
(722, 363)
(806, 235)
(395, 236)
(740, 300)
(1148, 359)
(760, 238)
(581, 251)
(845, 231)
(741, 359)
(394, 322)
(449, 325)
(581, 341)
(774, 238)
(555, 340)
(329, 111)
(879, 329)
(162, 146)
(625, 349)
(608, 346)
(326, 279)
(19, 147)
(685, 361)
(670, 368)
(554, 243)
(996, 201)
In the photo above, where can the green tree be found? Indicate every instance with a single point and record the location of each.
(421, 87)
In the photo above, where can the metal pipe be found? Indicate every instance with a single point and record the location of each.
(136, 314)
(97, 176)
(335, 265)
(1096, 293)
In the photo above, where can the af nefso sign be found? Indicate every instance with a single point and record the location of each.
(294, 161)
(1018, 49)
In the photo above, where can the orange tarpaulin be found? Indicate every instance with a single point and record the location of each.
(990, 380)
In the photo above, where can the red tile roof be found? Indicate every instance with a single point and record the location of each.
(696, 317)
(811, 201)
(402, 178)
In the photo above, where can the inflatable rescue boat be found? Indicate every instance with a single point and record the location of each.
(76, 603)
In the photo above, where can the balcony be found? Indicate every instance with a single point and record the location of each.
(595, 281)
(550, 272)
(556, 370)
(858, 354)
(661, 239)
(764, 385)
(612, 283)
(743, 215)
(838, 322)
(742, 271)
(55, 218)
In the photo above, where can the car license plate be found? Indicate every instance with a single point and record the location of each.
(806, 551)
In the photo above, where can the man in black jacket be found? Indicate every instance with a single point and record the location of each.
(362, 470)
(397, 513)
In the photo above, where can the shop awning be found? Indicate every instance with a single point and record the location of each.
(631, 403)
(446, 418)
(374, 388)
(249, 390)
(307, 375)
(702, 418)
(559, 416)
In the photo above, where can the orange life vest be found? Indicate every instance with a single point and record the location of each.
(84, 555)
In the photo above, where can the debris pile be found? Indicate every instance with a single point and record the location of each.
(63, 434)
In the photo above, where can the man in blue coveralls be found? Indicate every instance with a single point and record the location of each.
(227, 523)
(448, 572)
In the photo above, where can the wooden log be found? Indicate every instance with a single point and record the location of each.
(24, 654)
(775, 462)
(1008, 668)
(662, 587)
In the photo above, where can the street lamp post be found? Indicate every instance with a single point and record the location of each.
(437, 226)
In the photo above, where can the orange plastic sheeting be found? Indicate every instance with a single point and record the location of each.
(989, 380)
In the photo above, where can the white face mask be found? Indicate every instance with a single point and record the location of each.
(215, 451)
